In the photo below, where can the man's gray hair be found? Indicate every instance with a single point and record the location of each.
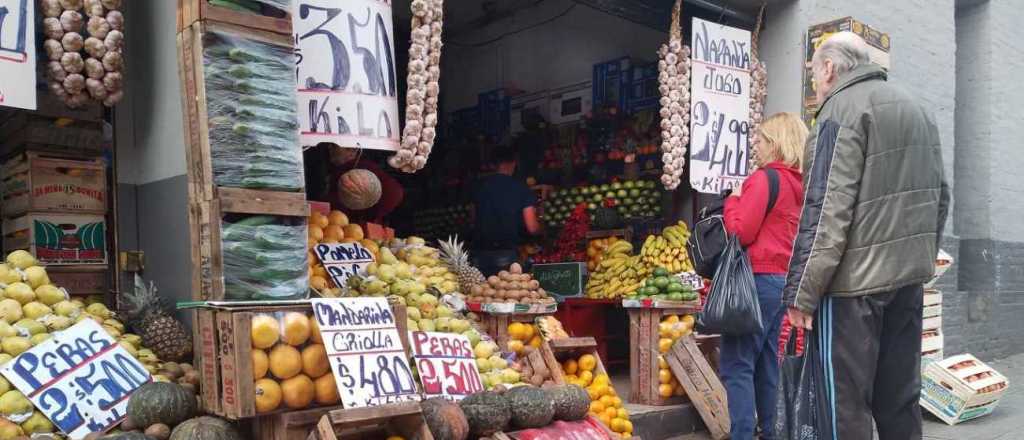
(846, 50)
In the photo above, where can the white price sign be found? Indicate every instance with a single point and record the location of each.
(80, 379)
(446, 365)
(345, 73)
(365, 351)
(342, 260)
(18, 54)
(720, 113)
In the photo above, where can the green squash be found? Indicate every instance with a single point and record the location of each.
(126, 436)
(571, 402)
(531, 407)
(205, 428)
(445, 419)
(161, 402)
(486, 412)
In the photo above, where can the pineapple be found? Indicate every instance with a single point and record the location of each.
(457, 259)
(162, 333)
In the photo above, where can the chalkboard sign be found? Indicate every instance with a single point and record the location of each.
(342, 260)
(561, 279)
(365, 349)
(80, 379)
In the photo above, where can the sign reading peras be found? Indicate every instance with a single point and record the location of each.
(446, 365)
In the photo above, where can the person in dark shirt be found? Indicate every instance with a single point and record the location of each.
(505, 213)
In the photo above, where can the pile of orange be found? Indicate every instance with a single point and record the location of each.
(332, 228)
(522, 335)
(289, 363)
(605, 403)
(672, 328)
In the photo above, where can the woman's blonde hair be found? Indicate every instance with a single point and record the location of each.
(786, 135)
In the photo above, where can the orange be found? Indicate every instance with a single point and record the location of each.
(601, 390)
(570, 366)
(268, 395)
(665, 330)
(265, 331)
(337, 218)
(664, 376)
(616, 425)
(593, 394)
(326, 390)
(611, 413)
(285, 361)
(662, 363)
(516, 346)
(333, 234)
(618, 402)
(318, 282)
(314, 360)
(607, 401)
(319, 271)
(627, 427)
(260, 364)
(298, 392)
(314, 331)
(623, 414)
(536, 341)
(596, 407)
(664, 345)
(672, 319)
(311, 243)
(316, 233)
(607, 421)
(587, 378)
(665, 390)
(353, 232)
(588, 362)
(316, 218)
(689, 320)
(602, 379)
(296, 328)
(529, 332)
(517, 331)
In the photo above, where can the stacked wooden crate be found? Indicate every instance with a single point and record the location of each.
(931, 328)
(55, 192)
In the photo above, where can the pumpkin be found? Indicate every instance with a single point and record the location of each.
(126, 436)
(445, 419)
(359, 189)
(205, 428)
(487, 412)
(531, 407)
(571, 402)
(161, 402)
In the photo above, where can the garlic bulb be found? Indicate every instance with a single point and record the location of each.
(674, 85)
(84, 66)
(424, 86)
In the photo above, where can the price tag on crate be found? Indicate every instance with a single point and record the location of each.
(446, 365)
(365, 351)
(342, 260)
(80, 379)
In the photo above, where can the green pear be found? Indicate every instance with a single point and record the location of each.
(20, 292)
(36, 310)
(99, 310)
(38, 339)
(8, 275)
(14, 346)
(36, 277)
(49, 294)
(67, 308)
(21, 260)
(10, 310)
(37, 424)
(29, 327)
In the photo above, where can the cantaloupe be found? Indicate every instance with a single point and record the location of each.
(359, 189)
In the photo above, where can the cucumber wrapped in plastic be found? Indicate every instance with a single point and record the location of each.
(264, 257)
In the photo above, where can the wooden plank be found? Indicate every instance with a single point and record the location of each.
(354, 416)
(230, 398)
(548, 356)
(573, 343)
(243, 366)
(207, 360)
(704, 389)
(294, 204)
(191, 11)
(635, 394)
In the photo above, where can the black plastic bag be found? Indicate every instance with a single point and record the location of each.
(732, 307)
(803, 405)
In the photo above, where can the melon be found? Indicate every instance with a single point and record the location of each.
(571, 402)
(531, 407)
(486, 412)
(359, 189)
(445, 419)
(205, 428)
(161, 402)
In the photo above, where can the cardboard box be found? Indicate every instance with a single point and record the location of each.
(58, 239)
(961, 388)
(81, 280)
(38, 183)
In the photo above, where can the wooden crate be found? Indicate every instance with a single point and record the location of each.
(401, 419)
(288, 425)
(702, 386)
(206, 229)
(29, 132)
(557, 351)
(643, 354)
(496, 324)
(81, 280)
(272, 19)
(36, 182)
(224, 359)
(200, 147)
(58, 239)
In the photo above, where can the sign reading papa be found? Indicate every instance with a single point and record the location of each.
(80, 379)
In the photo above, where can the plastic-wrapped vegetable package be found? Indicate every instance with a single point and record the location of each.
(253, 6)
(264, 257)
(250, 99)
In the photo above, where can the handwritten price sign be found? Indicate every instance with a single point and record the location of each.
(446, 365)
(345, 73)
(365, 351)
(719, 122)
(80, 379)
(342, 260)
(17, 54)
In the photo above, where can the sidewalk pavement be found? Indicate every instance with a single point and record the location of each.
(1006, 423)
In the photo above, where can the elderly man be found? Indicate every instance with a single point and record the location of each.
(874, 208)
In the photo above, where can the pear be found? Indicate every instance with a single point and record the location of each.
(14, 403)
(36, 310)
(6, 330)
(49, 294)
(510, 376)
(473, 336)
(413, 326)
(10, 430)
(483, 365)
(20, 292)
(460, 325)
(14, 346)
(413, 314)
(498, 362)
(56, 322)
(8, 275)
(99, 310)
(36, 276)
(428, 325)
(29, 327)
(5, 386)
(38, 423)
(21, 260)
(5, 358)
(386, 257)
(10, 310)
(444, 312)
(38, 339)
(67, 308)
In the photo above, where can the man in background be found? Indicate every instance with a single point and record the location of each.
(505, 213)
(875, 204)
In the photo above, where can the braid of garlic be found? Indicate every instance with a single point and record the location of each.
(674, 85)
(423, 87)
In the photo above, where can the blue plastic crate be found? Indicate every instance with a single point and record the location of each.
(611, 83)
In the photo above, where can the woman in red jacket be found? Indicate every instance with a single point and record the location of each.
(749, 363)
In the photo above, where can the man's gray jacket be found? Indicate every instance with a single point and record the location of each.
(875, 196)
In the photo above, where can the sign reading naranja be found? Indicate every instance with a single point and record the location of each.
(18, 54)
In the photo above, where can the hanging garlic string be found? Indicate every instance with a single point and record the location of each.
(674, 85)
(424, 87)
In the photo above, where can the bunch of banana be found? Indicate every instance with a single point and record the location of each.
(617, 274)
(668, 250)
